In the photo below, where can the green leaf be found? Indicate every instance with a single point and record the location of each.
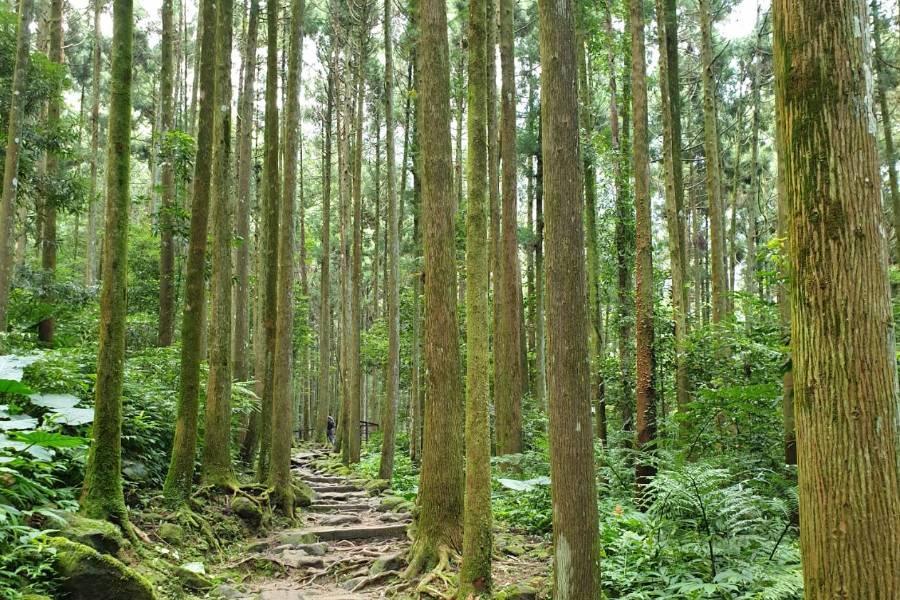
(19, 423)
(11, 386)
(73, 416)
(55, 401)
(49, 439)
(12, 366)
(526, 485)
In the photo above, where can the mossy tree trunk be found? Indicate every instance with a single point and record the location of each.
(439, 521)
(475, 574)
(283, 405)
(217, 432)
(101, 495)
(166, 329)
(269, 270)
(845, 394)
(645, 388)
(240, 352)
(508, 376)
(90, 253)
(576, 545)
(323, 396)
(11, 160)
(392, 251)
(53, 165)
(670, 94)
(884, 108)
(719, 284)
(177, 487)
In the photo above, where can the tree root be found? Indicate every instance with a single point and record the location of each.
(195, 520)
(373, 579)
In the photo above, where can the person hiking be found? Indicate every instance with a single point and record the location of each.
(330, 430)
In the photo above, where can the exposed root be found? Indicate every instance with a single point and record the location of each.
(196, 521)
(373, 579)
(439, 574)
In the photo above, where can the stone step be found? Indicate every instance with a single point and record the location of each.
(330, 534)
(341, 488)
(314, 479)
(341, 496)
(337, 507)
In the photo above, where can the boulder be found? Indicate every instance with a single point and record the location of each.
(377, 486)
(171, 533)
(227, 592)
(517, 591)
(102, 536)
(388, 562)
(247, 510)
(85, 574)
(298, 559)
(303, 494)
(193, 576)
(295, 537)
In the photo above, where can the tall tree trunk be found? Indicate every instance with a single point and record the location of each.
(48, 237)
(884, 107)
(11, 160)
(439, 523)
(475, 573)
(179, 479)
(166, 329)
(392, 252)
(645, 386)
(192, 118)
(750, 277)
(90, 255)
(540, 360)
(217, 433)
(576, 557)
(282, 409)
(713, 168)
(271, 228)
(355, 370)
(508, 376)
(323, 395)
(846, 407)
(624, 242)
(670, 92)
(101, 495)
(493, 173)
(240, 349)
(344, 168)
(588, 156)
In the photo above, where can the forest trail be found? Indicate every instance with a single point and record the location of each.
(350, 546)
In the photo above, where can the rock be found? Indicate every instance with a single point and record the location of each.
(102, 536)
(340, 520)
(517, 591)
(514, 549)
(352, 583)
(247, 510)
(193, 576)
(300, 559)
(377, 486)
(388, 562)
(257, 545)
(393, 517)
(227, 592)
(318, 549)
(295, 537)
(171, 533)
(390, 503)
(303, 494)
(85, 574)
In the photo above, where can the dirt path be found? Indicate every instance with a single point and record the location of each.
(351, 544)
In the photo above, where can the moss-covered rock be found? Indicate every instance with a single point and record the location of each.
(102, 536)
(171, 533)
(85, 574)
(377, 486)
(303, 494)
(388, 562)
(247, 510)
(193, 576)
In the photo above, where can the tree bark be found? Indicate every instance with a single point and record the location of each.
(101, 495)
(441, 484)
(166, 331)
(240, 352)
(392, 251)
(90, 255)
(645, 386)
(271, 228)
(217, 433)
(508, 376)
(670, 93)
(179, 479)
(713, 168)
(576, 544)
(475, 573)
(884, 107)
(845, 395)
(323, 395)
